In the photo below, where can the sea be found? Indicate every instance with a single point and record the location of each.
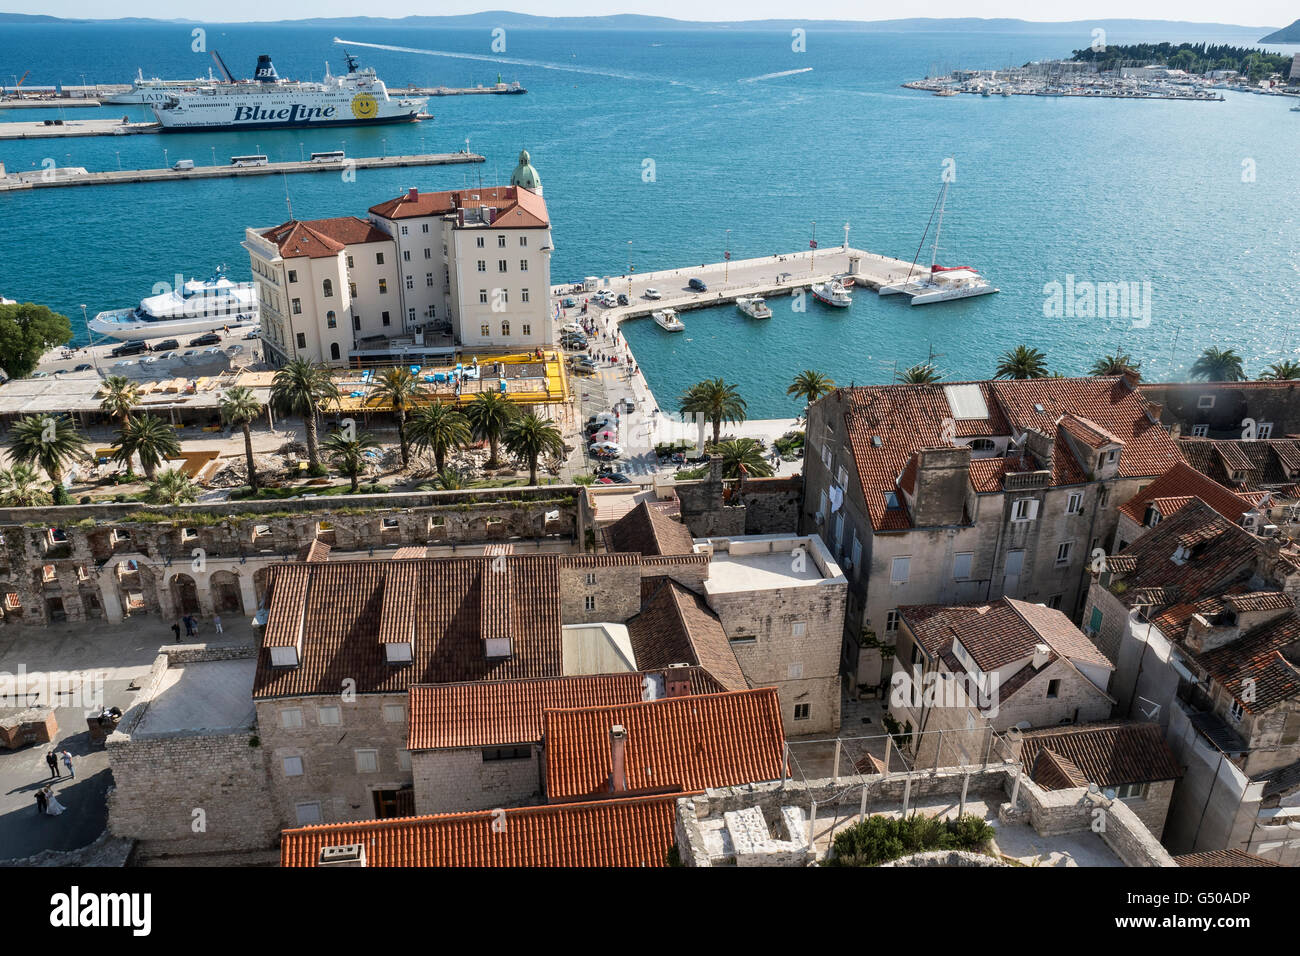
(666, 149)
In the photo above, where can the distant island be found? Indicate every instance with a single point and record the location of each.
(1289, 34)
(1196, 58)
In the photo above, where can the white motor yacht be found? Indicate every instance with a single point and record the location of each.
(667, 320)
(754, 306)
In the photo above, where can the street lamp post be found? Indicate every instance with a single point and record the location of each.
(302, 157)
(726, 258)
(164, 157)
(812, 245)
(630, 269)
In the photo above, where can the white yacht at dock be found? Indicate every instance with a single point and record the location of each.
(941, 283)
(667, 320)
(832, 292)
(754, 306)
(197, 306)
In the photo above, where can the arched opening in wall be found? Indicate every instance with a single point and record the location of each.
(185, 594)
(226, 596)
(54, 610)
(136, 588)
(260, 577)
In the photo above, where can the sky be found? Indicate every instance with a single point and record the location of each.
(1263, 13)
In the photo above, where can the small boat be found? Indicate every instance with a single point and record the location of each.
(945, 92)
(832, 293)
(667, 320)
(754, 307)
(1295, 109)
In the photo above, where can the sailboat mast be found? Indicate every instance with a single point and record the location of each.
(938, 227)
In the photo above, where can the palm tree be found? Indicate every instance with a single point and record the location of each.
(923, 374)
(488, 415)
(1116, 364)
(810, 386)
(173, 487)
(240, 407)
(1286, 371)
(716, 401)
(149, 437)
(439, 428)
(448, 480)
(1022, 362)
(349, 454)
(400, 388)
(304, 388)
(118, 395)
(530, 437)
(1219, 365)
(46, 442)
(20, 487)
(743, 456)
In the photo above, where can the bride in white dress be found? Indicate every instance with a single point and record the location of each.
(53, 807)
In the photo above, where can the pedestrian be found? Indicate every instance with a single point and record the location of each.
(176, 630)
(53, 763)
(191, 627)
(52, 805)
(216, 623)
(67, 762)
(41, 803)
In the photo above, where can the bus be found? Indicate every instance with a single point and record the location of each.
(332, 156)
(248, 161)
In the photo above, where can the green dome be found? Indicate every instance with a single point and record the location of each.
(524, 175)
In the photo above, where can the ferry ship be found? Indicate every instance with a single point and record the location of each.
(267, 102)
(154, 90)
(197, 306)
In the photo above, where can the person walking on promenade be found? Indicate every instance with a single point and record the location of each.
(216, 624)
(53, 763)
(190, 629)
(41, 803)
(176, 630)
(67, 762)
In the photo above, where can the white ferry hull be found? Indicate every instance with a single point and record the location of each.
(117, 324)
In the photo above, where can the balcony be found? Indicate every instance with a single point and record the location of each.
(1026, 480)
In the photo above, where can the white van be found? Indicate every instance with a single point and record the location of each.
(183, 164)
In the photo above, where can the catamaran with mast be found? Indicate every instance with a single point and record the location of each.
(941, 283)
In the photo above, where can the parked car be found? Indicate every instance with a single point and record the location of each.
(128, 348)
(149, 359)
(215, 350)
(208, 338)
(623, 299)
(618, 478)
(253, 334)
(698, 285)
(574, 343)
(601, 418)
(124, 363)
(83, 367)
(652, 294)
(166, 345)
(235, 349)
(568, 302)
(584, 367)
(39, 375)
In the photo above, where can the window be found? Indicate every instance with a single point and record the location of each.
(591, 579)
(410, 282)
(291, 718)
(891, 622)
(478, 241)
(331, 320)
(302, 340)
(1200, 431)
(1054, 602)
(482, 296)
(404, 760)
(961, 565)
(292, 766)
(505, 328)
(507, 753)
(1024, 509)
(855, 555)
(484, 331)
(410, 314)
(842, 477)
(802, 711)
(1264, 430)
(501, 242)
(327, 288)
(501, 265)
(482, 265)
(428, 278)
(1130, 791)
(297, 306)
(406, 253)
(293, 275)
(589, 602)
(1053, 689)
(329, 716)
(383, 286)
(1112, 455)
(379, 258)
(1063, 552)
(352, 289)
(1152, 517)
(982, 444)
(523, 240)
(428, 253)
(424, 227)
(403, 230)
(356, 323)
(526, 329)
(307, 813)
(383, 316)
(367, 760)
(1094, 623)
(1074, 504)
(899, 570)
(523, 294)
(798, 629)
(1205, 401)
(1237, 710)
(891, 501)
(394, 713)
(505, 295)
(523, 265)
(349, 262)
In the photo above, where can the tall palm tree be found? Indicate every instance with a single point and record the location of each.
(401, 388)
(349, 454)
(1286, 371)
(488, 415)
(923, 374)
(47, 442)
(304, 389)
(716, 401)
(1219, 365)
(439, 428)
(149, 437)
(240, 407)
(743, 454)
(1022, 362)
(810, 386)
(530, 437)
(173, 487)
(117, 396)
(20, 487)
(1116, 364)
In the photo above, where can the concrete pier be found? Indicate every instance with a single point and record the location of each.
(36, 129)
(76, 176)
(48, 103)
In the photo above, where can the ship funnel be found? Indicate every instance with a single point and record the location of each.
(265, 72)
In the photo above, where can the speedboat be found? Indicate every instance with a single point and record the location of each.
(832, 292)
(667, 320)
(754, 307)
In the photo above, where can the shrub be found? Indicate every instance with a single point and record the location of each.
(879, 839)
(691, 474)
(243, 491)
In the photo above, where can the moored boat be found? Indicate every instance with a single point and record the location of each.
(754, 306)
(196, 306)
(667, 320)
(832, 292)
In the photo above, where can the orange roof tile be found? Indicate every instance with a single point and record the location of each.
(1180, 484)
(516, 208)
(676, 626)
(322, 238)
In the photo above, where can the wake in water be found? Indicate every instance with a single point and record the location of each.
(566, 67)
(773, 76)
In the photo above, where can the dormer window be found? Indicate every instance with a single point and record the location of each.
(397, 653)
(284, 657)
(496, 647)
(1112, 455)
(1152, 516)
(1181, 555)
(891, 500)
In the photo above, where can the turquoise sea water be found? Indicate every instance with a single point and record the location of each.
(1112, 191)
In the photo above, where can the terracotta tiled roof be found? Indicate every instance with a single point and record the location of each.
(675, 626)
(345, 609)
(1051, 771)
(317, 550)
(1233, 857)
(1259, 601)
(999, 633)
(516, 208)
(1267, 656)
(648, 530)
(322, 238)
(1108, 754)
(496, 713)
(688, 743)
(626, 832)
(1090, 433)
(1267, 462)
(1181, 483)
(1059, 632)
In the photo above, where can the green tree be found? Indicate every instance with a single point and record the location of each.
(28, 331)
(1286, 371)
(172, 487)
(716, 401)
(239, 407)
(401, 388)
(448, 480)
(117, 396)
(1022, 362)
(46, 442)
(924, 374)
(21, 487)
(746, 454)
(1219, 365)
(349, 454)
(304, 389)
(148, 437)
(439, 428)
(530, 437)
(1116, 364)
(488, 415)
(810, 386)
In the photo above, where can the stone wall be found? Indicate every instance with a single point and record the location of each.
(451, 781)
(615, 591)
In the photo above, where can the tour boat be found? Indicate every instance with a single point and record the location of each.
(754, 307)
(667, 320)
(832, 292)
(943, 282)
(197, 306)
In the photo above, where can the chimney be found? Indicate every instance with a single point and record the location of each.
(1042, 653)
(350, 854)
(1154, 409)
(412, 194)
(618, 759)
(1131, 378)
(939, 492)
(677, 680)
